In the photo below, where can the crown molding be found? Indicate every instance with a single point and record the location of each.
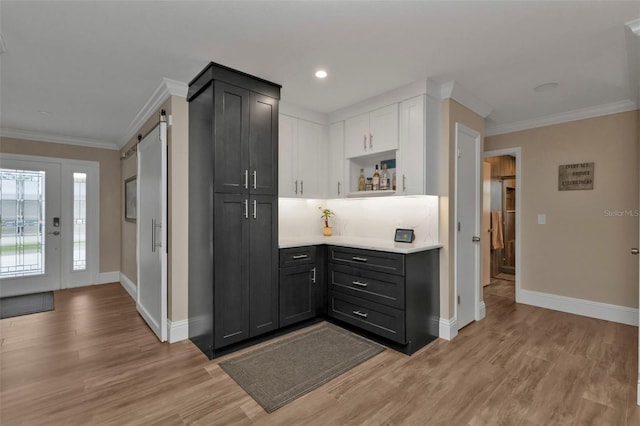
(66, 140)
(166, 89)
(634, 26)
(563, 117)
(453, 89)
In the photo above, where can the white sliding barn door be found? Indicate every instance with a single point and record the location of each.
(152, 232)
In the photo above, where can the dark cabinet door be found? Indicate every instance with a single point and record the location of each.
(263, 145)
(231, 135)
(263, 255)
(297, 294)
(231, 269)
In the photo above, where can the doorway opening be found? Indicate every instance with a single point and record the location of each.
(502, 195)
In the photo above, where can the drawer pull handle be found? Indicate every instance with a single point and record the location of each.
(361, 284)
(299, 256)
(359, 259)
(360, 314)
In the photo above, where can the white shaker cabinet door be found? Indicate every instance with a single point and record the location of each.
(356, 130)
(383, 129)
(287, 152)
(336, 161)
(311, 159)
(410, 175)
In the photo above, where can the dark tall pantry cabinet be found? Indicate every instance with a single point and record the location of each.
(233, 207)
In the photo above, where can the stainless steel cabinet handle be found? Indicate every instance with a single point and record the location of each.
(475, 239)
(246, 179)
(255, 179)
(365, 142)
(360, 314)
(299, 256)
(360, 283)
(301, 187)
(313, 277)
(635, 251)
(338, 188)
(359, 259)
(404, 182)
(255, 209)
(370, 141)
(246, 209)
(154, 244)
(296, 187)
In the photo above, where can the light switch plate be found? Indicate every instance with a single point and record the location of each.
(542, 219)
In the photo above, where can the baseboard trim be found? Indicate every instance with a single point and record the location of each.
(483, 310)
(108, 277)
(129, 286)
(448, 328)
(587, 308)
(177, 330)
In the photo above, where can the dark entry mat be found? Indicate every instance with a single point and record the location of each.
(16, 306)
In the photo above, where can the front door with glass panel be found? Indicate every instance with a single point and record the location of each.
(30, 239)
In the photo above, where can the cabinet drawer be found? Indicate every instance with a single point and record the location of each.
(390, 263)
(379, 319)
(375, 286)
(297, 256)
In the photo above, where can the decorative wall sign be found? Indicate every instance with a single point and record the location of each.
(575, 176)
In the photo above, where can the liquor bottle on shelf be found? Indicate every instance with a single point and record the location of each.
(384, 178)
(376, 180)
(369, 185)
(361, 181)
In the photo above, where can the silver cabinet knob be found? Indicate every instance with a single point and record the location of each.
(475, 239)
(635, 251)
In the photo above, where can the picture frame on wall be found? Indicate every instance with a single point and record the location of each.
(130, 200)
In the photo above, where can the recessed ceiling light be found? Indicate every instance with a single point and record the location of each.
(321, 74)
(545, 87)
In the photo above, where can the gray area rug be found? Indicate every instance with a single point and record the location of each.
(277, 374)
(16, 306)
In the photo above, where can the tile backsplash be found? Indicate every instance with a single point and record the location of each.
(361, 217)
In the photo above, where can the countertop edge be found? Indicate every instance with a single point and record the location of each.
(378, 245)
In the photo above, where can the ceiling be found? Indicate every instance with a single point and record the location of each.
(85, 69)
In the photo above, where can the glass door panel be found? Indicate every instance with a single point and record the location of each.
(29, 238)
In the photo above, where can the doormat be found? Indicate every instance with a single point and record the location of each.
(16, 306)
(277, 374)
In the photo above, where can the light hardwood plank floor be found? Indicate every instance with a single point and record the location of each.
(93, 361)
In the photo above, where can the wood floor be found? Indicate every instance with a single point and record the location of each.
(93, 361)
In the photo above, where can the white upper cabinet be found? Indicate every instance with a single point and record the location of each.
(411, 153)
(372, 133)
(336, 170)
(301, 158)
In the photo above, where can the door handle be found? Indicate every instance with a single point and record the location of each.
(404, 183)
(365, 143)
(58, 233)
(359, 259)
(475, 239)
(255, 209)
(635, 251)
(370, 141)
(359, 283)
(338, 188)
(313, 277)
(246, 209)
(301, 187)
(360, 314)
(246, 179)
(296, 187)
(299, 256)
(255, 179)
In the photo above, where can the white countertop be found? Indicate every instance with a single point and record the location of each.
(362, 243)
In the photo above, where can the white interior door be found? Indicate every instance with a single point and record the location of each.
(152, 235)
(31, 227)
(468, 184)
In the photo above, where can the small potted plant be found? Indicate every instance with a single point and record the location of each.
(327, 231)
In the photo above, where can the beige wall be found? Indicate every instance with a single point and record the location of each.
(178, 201)
(583, 250)
(451, 113)
(110, 188)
